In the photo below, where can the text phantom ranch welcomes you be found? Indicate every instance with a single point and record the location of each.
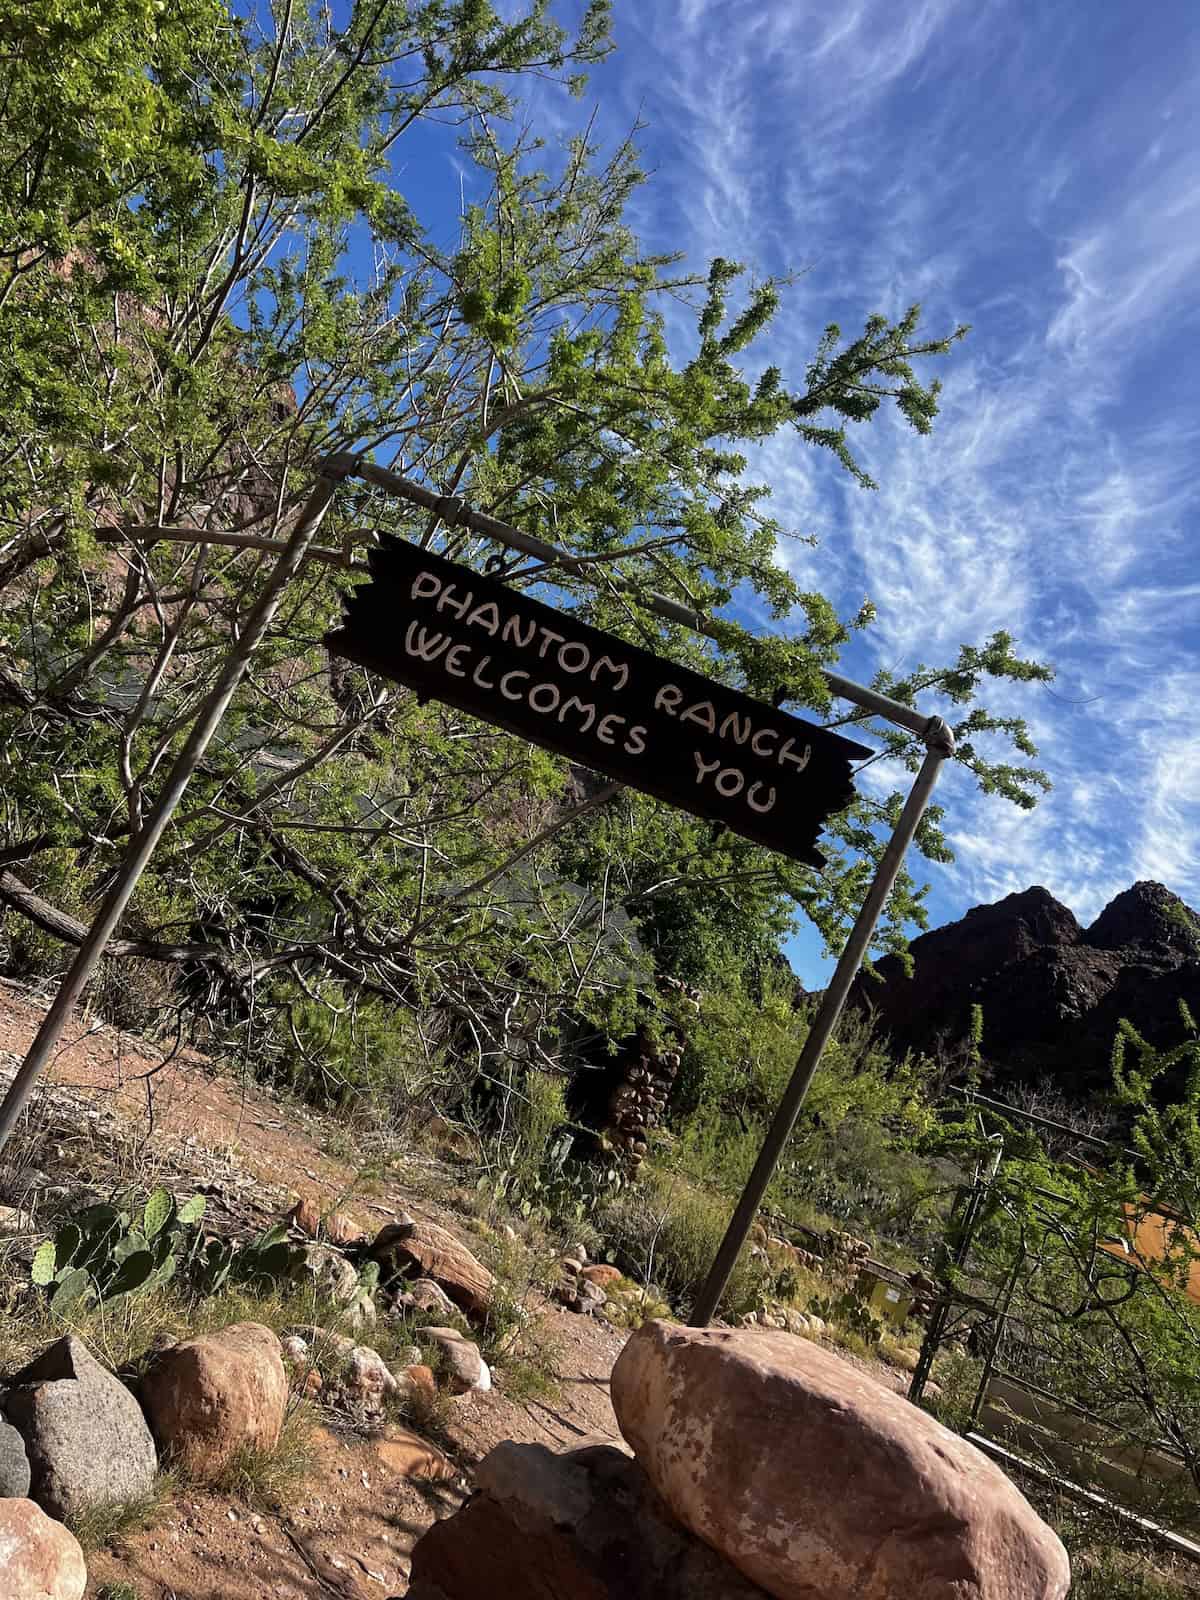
(457, 636)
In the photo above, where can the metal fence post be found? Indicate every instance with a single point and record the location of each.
(939, 742)
(142, 845)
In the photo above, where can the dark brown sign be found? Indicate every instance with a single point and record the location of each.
(454, 635)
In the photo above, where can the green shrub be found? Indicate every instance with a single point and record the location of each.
(853, 1154)
(665, 1231)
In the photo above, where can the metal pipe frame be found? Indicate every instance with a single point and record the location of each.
(708, 1298)
(452, 510)
(937, 736)
(939, 747)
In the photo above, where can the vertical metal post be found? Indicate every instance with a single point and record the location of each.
(939, 743)
(1003, 1304)
(972, 1201)
(142, 845)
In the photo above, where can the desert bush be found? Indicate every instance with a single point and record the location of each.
(665, 1231)
(854, 1156)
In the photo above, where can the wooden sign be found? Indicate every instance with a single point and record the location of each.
(457, 636)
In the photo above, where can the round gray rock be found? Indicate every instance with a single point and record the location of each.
(14, 1464)
(85, 1435)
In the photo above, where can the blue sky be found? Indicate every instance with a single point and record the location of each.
(1033, 170)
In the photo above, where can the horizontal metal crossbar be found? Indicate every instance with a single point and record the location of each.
(452, 510)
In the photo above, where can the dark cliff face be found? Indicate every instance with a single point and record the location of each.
(1052, 993)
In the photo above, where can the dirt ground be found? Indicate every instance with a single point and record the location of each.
(350, 1532)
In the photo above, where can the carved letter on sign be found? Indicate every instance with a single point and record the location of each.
(457, 636)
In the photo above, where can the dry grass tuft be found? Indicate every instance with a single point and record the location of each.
(103, 1524)
(267, 1479)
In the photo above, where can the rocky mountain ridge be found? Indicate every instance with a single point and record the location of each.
(1052, 992)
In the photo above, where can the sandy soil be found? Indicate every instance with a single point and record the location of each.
(350, 1532)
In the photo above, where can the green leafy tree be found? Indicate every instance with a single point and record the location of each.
(1097, 1260)
(212, 284)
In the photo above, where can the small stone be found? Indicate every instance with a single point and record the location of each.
(603, 1274)
(591, 1297)
(426, 1296)
(421, 1381)
(333, 1226)
(566, 1292)
(406, 1455)
(324, 1343)
(296, 1350)
(305, 1216)
(464, 1364)
(332, 1277)
(367, 1382)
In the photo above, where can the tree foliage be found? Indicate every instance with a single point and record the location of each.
(212, 281)
(1095, 1257)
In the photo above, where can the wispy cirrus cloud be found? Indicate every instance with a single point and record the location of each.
(1037, 174)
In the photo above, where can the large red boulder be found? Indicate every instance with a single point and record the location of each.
(816, 1481)
(209, 1399)
(39, 1558)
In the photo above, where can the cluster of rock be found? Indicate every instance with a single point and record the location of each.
(420, 1266)
(646, 1076)
(785, 1319)
(424, 1272)
(74, 1437)
(845, 1249)
(763, 1466)
(77, 1438)
(582, 1285)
